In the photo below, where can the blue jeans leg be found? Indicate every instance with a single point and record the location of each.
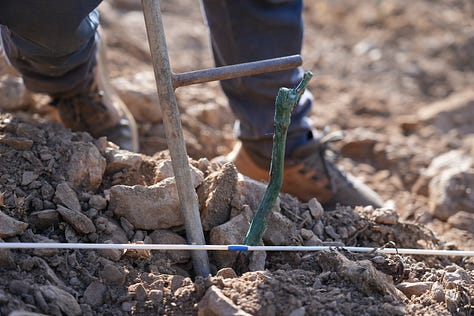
(250, 30)
(52, 43)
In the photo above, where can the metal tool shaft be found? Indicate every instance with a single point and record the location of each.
(236, 71)
(174, 134)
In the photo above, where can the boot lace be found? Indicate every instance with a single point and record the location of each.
(318, 156)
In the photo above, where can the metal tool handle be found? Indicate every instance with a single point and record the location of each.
(174, 134)
(236, 71)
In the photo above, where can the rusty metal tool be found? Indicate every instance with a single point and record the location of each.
(166, 83)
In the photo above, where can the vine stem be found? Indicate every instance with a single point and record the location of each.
(285, 102)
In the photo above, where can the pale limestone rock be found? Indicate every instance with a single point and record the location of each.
(216, 303)
(85, 167)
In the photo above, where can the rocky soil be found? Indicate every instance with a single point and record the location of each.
(395, 76)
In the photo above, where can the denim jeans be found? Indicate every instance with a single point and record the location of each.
(52, 43)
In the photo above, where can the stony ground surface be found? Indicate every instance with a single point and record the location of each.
(395, 76)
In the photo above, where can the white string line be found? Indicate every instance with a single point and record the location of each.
(406, 251)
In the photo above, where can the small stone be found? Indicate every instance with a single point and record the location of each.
(45, 156)
(110, 230)
(126, 226)
(315, 208)
(251, 192)
(155, 296)
(113, 275)
(10, 227)
(66, 196)
(35, 185)
(28, 177)
(168, 237)
(414, 289)
(437, 292)
(62, 299)
(43, 219)
(112, 254)
(226, 273)
(269, 295)
(306, 233)
(453, 159)
(118, 159)
(138, 236)
(139, 205)
(18, 143)
(463, 220)
(94, 293)
(47, 191)
(86, 310)
(37, 204)
(19, 287)
(215, 195)
(451, 191)
(48, 205)
(32, 132)
(298, 312)
(318, 229)
(458, 275)
(176, 282)
(98, 202)
(230, 233)
(378, 259)
(215, 302)
(85, 167)
(7, 260)
(331, 233)
(138, 253)
(128, 306)
(313, 242)
(280, 229)
(80, 222)
(71, 235)
(140, 293)
(92, 212)
(151, 207)
(48, 272)
(385, 216)
(451, 268)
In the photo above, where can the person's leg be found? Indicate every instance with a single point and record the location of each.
(54, 44)
(251, 30)
(51, 43)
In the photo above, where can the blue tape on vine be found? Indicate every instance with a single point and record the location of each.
(237, 248)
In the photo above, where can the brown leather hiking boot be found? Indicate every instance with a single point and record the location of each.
(310, 173)
(98, 110)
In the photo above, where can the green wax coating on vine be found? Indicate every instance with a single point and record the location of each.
(285, 102)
